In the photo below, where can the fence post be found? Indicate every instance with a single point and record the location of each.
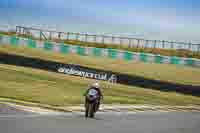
(130, 41)
(77, 36)
(138, 43)
(1, 37)
(102, 39)
(50, 35)
(120, 42)
(190, 45)
(23, 32)
(113, 40)
(172, 45)
(59, 35)
(68, 35)
(95, 38)
(163, 44)
(16, 30)
(198, 48)
(86, 36)
(154, 46)
(40, 35)
(146, 43)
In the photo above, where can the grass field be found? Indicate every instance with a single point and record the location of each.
(164, 72)
(56, 89)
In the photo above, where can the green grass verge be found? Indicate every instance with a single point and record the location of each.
(59, 90)
(163, 72)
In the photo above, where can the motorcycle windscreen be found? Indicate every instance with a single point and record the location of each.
(93, 92)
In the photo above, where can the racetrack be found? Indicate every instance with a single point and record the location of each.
(147, 122)
(8, 110)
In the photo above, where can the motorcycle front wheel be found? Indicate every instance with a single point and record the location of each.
(90, 110)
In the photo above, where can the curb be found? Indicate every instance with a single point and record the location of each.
(103, 108)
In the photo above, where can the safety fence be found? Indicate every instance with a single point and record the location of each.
(125, 41)
(98, 52)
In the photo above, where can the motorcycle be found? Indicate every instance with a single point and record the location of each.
(91, 103)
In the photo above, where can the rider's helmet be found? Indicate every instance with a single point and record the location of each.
(96, 85)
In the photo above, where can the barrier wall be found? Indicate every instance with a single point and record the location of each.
(98, 52)
(98, 74)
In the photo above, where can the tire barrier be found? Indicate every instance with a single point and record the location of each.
(98, 52)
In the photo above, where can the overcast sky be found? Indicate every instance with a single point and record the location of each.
(153, 19)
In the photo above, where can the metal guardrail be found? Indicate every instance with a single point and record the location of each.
(105, 39)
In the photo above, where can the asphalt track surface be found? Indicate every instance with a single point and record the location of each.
(16, 121)
(8, 110)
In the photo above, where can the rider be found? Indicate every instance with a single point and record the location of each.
(95, 86)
